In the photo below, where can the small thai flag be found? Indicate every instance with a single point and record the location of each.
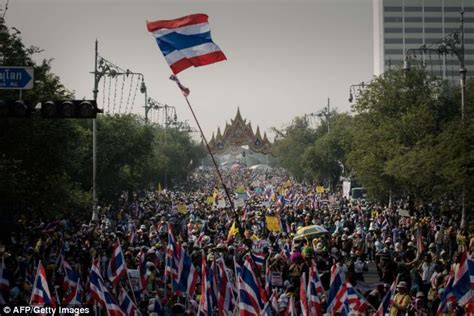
(186, 42)
(40, 294)
(117, 267)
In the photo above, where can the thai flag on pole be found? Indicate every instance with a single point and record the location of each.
(338, 302)
(40, 294)
(101, 294)
(273, 304)
(462, 282)
(70, 276)
(186, 42)
(314, 291)
(74, 296)
(448, 299)
(187, 275)
(173, 255)
(142, 281)
(126, 303)
(385, 304)
(470, 264)
(251, 294)
(291, 309)
(357, 302)
(259, 259)
(336, 283)
(303, 296)
(205, 304)
(157, 309)
(117, 267)
(268, 279)
(225, 298)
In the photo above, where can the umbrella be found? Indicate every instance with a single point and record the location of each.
(310, 232)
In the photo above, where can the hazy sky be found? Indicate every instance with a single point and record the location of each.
(285, 58)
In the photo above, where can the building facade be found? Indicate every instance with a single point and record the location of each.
(401, 25)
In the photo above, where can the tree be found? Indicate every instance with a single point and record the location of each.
(291, 143)
(326, 157)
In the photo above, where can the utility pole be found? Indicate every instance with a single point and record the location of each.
(95, 216)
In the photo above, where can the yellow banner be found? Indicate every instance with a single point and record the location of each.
(320, 189)
(232, 231)
(273, 224)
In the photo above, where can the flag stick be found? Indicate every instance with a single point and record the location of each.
(210, 153)
(131, 288)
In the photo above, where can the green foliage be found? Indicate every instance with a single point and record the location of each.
(291, 143)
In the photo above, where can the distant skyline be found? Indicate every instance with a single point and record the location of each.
(285, 58)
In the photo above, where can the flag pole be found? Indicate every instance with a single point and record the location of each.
(209, 150)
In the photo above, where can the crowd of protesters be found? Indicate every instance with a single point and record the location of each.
(416, 250)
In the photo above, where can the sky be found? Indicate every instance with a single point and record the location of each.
(285, 58)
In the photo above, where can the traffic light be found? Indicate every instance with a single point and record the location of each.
(15, 108)
(69, 109)
(50, 109)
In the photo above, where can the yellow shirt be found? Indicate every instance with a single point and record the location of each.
(403, 300)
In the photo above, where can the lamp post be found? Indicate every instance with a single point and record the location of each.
(453, 43)
(103, 67)
(353, 92)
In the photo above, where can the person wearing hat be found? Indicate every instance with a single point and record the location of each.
(401, 301)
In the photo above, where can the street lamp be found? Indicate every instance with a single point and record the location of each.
(103, 67)
(353, 91)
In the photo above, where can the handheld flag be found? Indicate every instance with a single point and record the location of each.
(186, 42)
(40, 295)
(117, 267)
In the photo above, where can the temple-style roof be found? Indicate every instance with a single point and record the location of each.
(239, 133)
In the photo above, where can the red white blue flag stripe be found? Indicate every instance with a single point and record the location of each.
(186, 42)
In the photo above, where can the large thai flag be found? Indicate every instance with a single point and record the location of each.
(251, 294)
(186, 42)
(117, 267)
(40, 294)
(462, 282)
(101, 294)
